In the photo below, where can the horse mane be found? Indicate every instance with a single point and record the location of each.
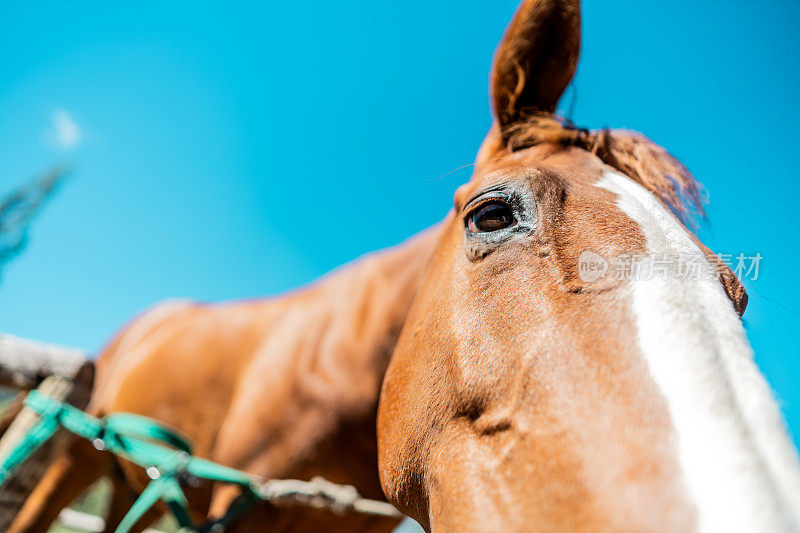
(629, 152)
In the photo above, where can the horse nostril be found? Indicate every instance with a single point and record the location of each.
(485, 421)
(492, 425)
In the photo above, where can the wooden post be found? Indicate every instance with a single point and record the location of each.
(25, 363)
(65, 374)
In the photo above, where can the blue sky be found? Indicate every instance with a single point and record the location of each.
(227, 151)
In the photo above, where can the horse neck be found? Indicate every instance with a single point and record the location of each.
(367, 304)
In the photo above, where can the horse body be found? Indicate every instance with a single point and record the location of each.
(281, 388)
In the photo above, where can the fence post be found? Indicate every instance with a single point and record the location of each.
(70, 380)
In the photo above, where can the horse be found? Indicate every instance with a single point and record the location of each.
(519, 393)
(281, 388)
(559, 369)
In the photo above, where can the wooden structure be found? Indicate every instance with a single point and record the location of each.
(61, 372)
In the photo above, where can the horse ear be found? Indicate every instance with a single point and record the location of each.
(536, 59)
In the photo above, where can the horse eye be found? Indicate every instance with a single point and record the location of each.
(489, 217)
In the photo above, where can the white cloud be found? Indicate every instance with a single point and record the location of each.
(64, 131)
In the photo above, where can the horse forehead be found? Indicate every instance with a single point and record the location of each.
(576, 212)
(574, 166)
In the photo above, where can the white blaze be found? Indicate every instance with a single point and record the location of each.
(739, 466)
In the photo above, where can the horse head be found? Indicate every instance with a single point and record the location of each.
(575, 358)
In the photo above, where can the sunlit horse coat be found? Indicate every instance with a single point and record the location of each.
(519, 396)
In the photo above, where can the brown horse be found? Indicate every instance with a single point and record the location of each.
(281, 388)
(561, 367)
(522, 394)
